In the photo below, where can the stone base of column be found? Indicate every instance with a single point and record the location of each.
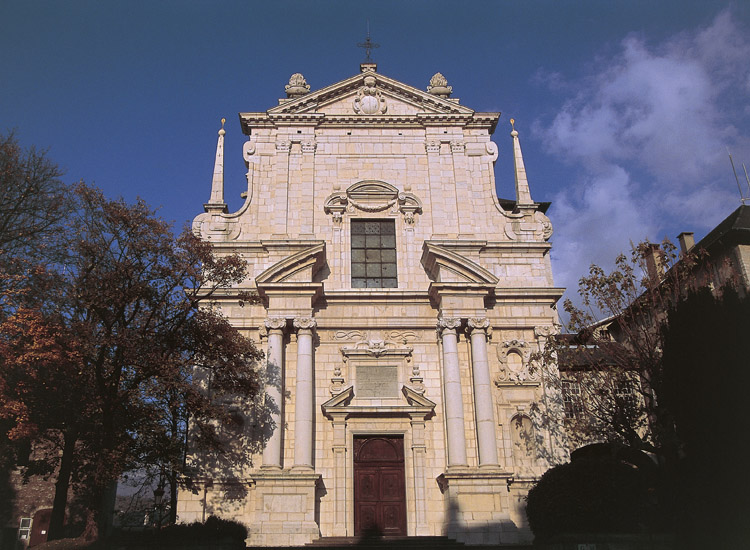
(478, 509)
(284, 509)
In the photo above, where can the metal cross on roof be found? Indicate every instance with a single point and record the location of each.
(368, 45)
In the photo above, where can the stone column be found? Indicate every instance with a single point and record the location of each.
(454, 405)
(483, 408)
(305, 396)
(274, 390)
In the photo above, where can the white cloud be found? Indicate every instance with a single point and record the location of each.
(647, 132)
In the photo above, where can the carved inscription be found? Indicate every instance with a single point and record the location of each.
(377, 381)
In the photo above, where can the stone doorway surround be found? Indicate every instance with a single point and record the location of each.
(406, 420)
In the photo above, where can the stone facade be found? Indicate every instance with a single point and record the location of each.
(423, 339)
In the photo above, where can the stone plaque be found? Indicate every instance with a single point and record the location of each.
(377, 381)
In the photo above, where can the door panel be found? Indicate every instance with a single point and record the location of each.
(379, 488)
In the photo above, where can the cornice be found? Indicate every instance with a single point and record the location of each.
(249, 121)
(527, 294)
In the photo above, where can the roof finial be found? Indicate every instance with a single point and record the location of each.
(523, 194)
(368, 45)
(216, 202)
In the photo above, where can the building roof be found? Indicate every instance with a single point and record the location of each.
(735, 229)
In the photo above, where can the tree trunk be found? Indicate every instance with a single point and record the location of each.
(57, 520)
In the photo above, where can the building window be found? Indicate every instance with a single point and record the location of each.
(24, 530)
(374, 254)
(571, 393)
(625, 395)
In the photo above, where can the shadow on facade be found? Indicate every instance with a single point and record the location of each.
(217, 471)
(481, 533)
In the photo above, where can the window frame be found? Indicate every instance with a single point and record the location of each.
(374, 265)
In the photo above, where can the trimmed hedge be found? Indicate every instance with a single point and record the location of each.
(214, 529)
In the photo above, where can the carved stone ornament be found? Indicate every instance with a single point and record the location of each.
(297, 86)
(309, 146)
(432, 146)
(248, 150)
(486, 150)
(515, 367)
(283, 146)
(337, 381)
(305, 323)
(275, 323)
(448, 323)
(369, 100)
(375, 347)
(350, 335)
(546, 331)
(479, 323)
(458, 146)
(439, 86)
(372, 196)
(529, 227)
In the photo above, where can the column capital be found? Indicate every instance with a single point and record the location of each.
(478, 324)
(448, 323)
(305, 323)
(275, 323)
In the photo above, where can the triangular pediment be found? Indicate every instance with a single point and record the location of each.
(396, 97)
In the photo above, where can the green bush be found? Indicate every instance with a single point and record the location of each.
(590, 495)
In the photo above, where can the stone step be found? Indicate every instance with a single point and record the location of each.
(385, 542)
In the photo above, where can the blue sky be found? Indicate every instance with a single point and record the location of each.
(625, 109)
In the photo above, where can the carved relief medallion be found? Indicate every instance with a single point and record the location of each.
(369, 100)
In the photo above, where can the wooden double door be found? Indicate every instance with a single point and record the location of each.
(379, 488)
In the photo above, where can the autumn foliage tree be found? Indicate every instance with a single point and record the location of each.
(108, 372)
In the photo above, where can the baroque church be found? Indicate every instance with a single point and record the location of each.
(400, 302)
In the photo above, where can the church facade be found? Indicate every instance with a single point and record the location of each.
(400, 304)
